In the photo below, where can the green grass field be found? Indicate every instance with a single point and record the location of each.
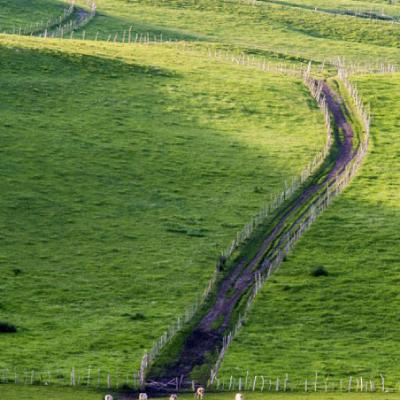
(376, 6)
(126, 169)
(120, 182)
(347, 322)
(23, 13)
(268, 28)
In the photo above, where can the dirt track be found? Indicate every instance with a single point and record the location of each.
(204, 338)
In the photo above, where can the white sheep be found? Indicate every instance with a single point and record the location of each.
(143, 396)
(199, 393)
(239, 396)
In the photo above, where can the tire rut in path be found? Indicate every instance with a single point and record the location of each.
(205, 338)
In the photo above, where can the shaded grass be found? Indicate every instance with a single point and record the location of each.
(22, 13)
(120, 174)
(345, 323)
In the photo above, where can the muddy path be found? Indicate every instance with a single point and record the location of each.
(205, 338)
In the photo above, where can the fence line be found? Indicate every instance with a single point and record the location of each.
(245, 234)
(373, 15)
(90, 377)
(103, 379)
(285, 244)
(41, 26)
(352, 68)
(128, 36)
(61, 25)
(317, 383)
(70, 26)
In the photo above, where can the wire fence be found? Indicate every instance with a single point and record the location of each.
(84, 377)
(72, 19)
(41, 26)
(104, 380)
(244, 235)
(316, 383)
(373, 15)
(334, 187)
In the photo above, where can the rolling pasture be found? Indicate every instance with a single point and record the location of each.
(266, 28)
(126, 168)
(120, 182)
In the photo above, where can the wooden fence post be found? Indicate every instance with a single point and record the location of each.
(254, 383)
(73, 377)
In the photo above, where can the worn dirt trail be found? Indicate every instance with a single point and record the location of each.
(204, 338)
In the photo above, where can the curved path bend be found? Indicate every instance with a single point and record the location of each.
(205, 338)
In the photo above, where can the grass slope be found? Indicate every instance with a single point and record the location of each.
(267, 28)
(22, 13)
(346, 323)
(375, 6)
(124, 172)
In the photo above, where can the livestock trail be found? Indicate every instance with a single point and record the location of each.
(207, 336)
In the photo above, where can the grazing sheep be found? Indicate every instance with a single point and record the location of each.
(143, 396)
(173, 397)
(239, 396)
(108, 397)
(199, 393)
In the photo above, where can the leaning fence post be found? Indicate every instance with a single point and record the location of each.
(383, 383)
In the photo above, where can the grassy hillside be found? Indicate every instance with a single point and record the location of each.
(125, 171)
(374, 6)
(345, 323)
(268, 28)
(22, 13)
